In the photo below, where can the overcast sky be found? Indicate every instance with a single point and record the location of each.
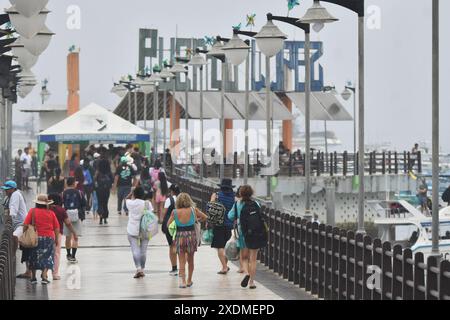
(398, 56)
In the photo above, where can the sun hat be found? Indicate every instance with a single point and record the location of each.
(9, 185)
(43, 199)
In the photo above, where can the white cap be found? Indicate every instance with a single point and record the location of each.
(96, 155)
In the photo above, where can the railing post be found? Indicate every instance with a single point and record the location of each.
(390, 162)
(396, 162)
(408, 275)
(272, 237)
(386, 272)
(359, 266)
(383, 166)
(332, 164)
(303, 236)
(343, 265)
(367, 258)
(405, 161)
(351, 247)
(322, 257)
(298, 249)
(335, 264)
(308, 256)
(397, 273)
(277, 247)
(291, 163)
(377, 253)
(419, 162)
(419, 277)
(328, 262)
(432, 278)
(315, 258)
(292, 247)
(444, 287)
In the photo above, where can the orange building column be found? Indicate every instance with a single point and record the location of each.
(287, 124)
(73, 98)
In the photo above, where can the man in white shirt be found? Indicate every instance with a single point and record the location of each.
(16, 208)
(26, 160)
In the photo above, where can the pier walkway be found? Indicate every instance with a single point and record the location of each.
(106, 271)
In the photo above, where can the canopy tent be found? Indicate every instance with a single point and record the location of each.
(324, 106)
(94, 124)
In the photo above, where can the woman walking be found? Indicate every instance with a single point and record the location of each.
(252, 232)
(161, 192)
(47, 227)
(185, 216)
(103, 184)
(63, 219)
(234, 215)
(56, 183)
(136, 206)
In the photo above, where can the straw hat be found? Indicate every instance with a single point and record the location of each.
(43, 199)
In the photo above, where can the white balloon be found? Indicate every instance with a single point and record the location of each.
(29, 8)
(39, 43)
(27, 27)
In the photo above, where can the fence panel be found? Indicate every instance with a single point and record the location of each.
(321, 263)
(315, 258)
(419, 277)
(351, 247)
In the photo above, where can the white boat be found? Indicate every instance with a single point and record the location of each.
(400, 222)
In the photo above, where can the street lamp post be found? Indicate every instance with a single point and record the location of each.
(318, 14)
(307, 30)
(435, 125)
(270, 41)
(167, 76)
(347, 95)
(155, 79)
(218, 53)
(198, 62)
(236, 54)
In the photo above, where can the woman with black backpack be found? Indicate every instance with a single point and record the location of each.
(252, 228)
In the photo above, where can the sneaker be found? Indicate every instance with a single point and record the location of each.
(34, 281)
(68, 257)
(73, 260)
(45, 281)
(173, 273)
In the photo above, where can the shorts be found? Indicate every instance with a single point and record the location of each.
(221, 236)
(77, 227)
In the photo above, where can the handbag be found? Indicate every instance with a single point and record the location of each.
(198, 230)
(29, 238)
(231, 248)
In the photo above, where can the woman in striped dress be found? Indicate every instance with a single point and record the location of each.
(185, 216)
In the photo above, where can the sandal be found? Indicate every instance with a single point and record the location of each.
(223, 272)
(190, 285)
(245, 281)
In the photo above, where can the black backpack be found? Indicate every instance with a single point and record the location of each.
(253, 226)
(446, 195)
(164, 227)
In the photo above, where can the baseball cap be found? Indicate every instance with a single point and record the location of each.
(96, 155)
(9, 185)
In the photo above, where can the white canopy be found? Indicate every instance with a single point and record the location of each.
(94, 124)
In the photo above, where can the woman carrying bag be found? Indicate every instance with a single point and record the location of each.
(47, 228)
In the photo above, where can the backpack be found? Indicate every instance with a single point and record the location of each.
(216, 213)
(164, 227)
(149, 224)
(104, 182)
(73, 204)
(146, 185)
(253, 226)
(446, 195)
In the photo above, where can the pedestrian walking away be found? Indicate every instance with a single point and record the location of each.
(74, 202)
(103, 184)
(185, 216)
(64, 221)
(138, 241)
(47, 227)
(169, 206)
(222, 231)
(123, 182)
(56, 183)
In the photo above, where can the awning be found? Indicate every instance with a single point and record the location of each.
(324, 106)
(96, 125)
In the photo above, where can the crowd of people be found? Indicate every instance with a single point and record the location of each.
(84, 187)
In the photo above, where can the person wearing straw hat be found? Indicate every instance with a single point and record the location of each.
(47, 228)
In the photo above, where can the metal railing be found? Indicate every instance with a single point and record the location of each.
(332, 164)
(7, 261)
(336, 264)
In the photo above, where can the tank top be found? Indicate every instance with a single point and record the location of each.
(190, 223)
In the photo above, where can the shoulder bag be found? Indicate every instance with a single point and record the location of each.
(29, 238)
